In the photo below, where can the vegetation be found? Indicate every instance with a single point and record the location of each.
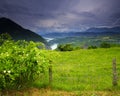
(21, 62)
(92, 47)
(85, 69)
(65, 47)
(25, 63)
(71, 47)
(87, 38)
(105, 45)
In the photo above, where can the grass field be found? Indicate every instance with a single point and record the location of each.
(85, 70)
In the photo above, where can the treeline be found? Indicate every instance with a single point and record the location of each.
(70, 47)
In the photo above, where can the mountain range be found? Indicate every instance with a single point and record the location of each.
(92, 36)
(17, 32)
(89, 32)
(104, 29)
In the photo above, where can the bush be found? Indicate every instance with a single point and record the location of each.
(105, 45)
(66, 47)
(4, 37)
(21, 63)
(92, 47)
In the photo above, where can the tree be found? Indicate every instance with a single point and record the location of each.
(65, 47)
(105, 45)
(4, 37)
(92, 47)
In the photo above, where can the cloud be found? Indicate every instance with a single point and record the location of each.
(47, 23)
(63, 22)
(61, 15)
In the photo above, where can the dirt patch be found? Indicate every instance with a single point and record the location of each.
(36, 92)
(49, 92)
(99, 93)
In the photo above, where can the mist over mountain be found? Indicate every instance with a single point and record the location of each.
(17, 32)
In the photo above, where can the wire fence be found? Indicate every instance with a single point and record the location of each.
(99, 78)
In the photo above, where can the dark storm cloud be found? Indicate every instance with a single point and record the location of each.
(116, 18)
(14, 9)
(62, 15)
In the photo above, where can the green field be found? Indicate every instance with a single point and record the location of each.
(85, 70)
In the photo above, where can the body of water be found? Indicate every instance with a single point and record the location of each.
(54, 46)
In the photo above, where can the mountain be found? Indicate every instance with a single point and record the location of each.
(89, 32)
(59, 34)
(104, 29)
(19, 33)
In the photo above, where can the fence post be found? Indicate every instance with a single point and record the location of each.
(114, 82)
(50, 74)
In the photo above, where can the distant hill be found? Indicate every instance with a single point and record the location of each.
(104, 29)
(17, 32)
(88, 32)
(92, 36)
(77, 34)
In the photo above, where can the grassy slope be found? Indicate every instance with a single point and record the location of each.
(85, 69)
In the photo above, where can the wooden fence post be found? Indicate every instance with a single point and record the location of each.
(114, 82)
(50, 75)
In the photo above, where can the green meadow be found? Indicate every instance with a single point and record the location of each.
(85, 70)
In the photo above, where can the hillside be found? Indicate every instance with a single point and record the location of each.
(77, 34)
(83, 38)
(17, 32)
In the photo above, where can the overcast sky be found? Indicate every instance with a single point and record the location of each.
(61, 15)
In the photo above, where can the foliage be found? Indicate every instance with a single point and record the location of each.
(115, 45)
(21, 63)
(65, 47)
(92, 47)
(105, 45)
(4, 37)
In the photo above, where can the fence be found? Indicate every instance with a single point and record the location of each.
(115, 77)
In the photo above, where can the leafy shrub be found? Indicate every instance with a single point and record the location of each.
(92, 47)
(21, 63)
(65, 47)
(105, 45)
(4, 37)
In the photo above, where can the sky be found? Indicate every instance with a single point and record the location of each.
(61, 15)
